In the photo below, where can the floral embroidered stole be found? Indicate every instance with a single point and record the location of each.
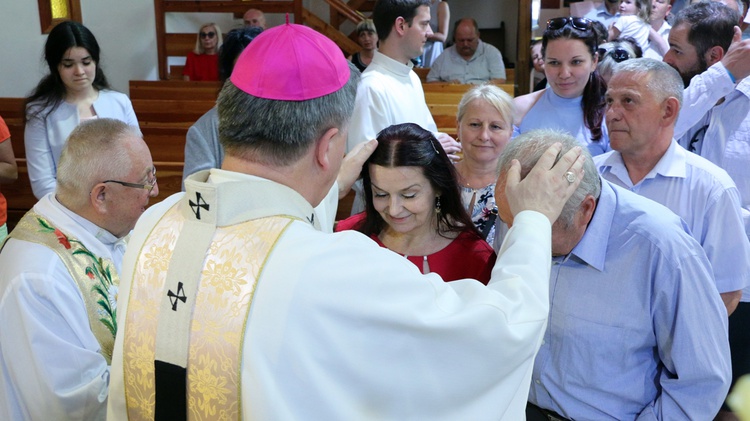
(96, 277)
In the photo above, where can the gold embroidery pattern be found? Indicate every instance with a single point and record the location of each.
(139, 345)
(230, 273)
(228, 282)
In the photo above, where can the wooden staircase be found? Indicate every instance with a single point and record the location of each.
(341, 12)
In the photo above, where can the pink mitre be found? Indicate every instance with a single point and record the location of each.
(291, 63)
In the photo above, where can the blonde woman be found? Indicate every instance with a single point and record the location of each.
(485, 125)
(203, 62)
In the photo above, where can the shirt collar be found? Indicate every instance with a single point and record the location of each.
(671, 164)
(478, 52)
(392, 65)
(228, 198)
(592, 249)
(104, 236)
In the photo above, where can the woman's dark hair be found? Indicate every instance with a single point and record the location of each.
(51, 90)
(234, 43)
(409, 145)
(593, 104)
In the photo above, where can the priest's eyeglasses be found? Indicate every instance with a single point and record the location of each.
(150, 184)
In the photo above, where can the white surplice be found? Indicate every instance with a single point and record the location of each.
(342, 329)
(50, 365)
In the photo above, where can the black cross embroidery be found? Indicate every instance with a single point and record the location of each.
(197, 205)
(174, 298)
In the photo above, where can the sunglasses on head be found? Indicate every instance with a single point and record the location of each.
(582, 24)
(618, 54)
(208, 34)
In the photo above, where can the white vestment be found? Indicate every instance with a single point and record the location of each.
(389, 93)
(50, 362)
(342, 329)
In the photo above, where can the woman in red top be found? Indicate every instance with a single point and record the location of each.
(413, 207)
(8, 173)
(203, 62)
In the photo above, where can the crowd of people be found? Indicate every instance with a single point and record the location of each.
(578, 252)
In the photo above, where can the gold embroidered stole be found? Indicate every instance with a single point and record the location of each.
(233, 264)
(96, 277)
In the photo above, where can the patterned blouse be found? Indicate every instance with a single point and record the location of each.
(483, 212)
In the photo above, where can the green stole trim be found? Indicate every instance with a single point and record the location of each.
(96, 277)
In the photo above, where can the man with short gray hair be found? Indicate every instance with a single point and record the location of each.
(59, 276)
(644, 98)
(636, 329)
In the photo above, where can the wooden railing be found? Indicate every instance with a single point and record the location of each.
(361, 6)
(161, 7)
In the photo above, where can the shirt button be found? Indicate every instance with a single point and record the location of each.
(537, 381)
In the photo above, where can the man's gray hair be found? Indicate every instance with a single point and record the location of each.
(94, 152)
(530, 146)
(664, 82)
(278, 133)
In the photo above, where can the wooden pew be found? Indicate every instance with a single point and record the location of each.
(166, 109)
(174, 90)
(422, 73)
(444, 87)
(175, 72)
(443, 98)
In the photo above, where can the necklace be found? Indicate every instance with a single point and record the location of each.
(425, 264)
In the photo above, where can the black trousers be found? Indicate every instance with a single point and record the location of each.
(535, 413)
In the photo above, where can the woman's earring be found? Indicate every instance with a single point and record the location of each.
(437, 204)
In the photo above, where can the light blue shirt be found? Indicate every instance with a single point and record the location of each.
(636, 327)
(726, 141)
(601, 14)
(555, 112)
(705, 197)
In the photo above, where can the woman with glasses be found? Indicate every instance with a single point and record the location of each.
(202, 148)
(75, 90)
(574, 99)
(413, 207)
(203, 62)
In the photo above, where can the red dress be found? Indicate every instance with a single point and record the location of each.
(202, 66)
(467, 256)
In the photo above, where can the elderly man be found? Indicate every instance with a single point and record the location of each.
(469, 60)
(234, 302)
(254, 17)
(643, 100)
(390, 92)
(59, 274)
(636, 327)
